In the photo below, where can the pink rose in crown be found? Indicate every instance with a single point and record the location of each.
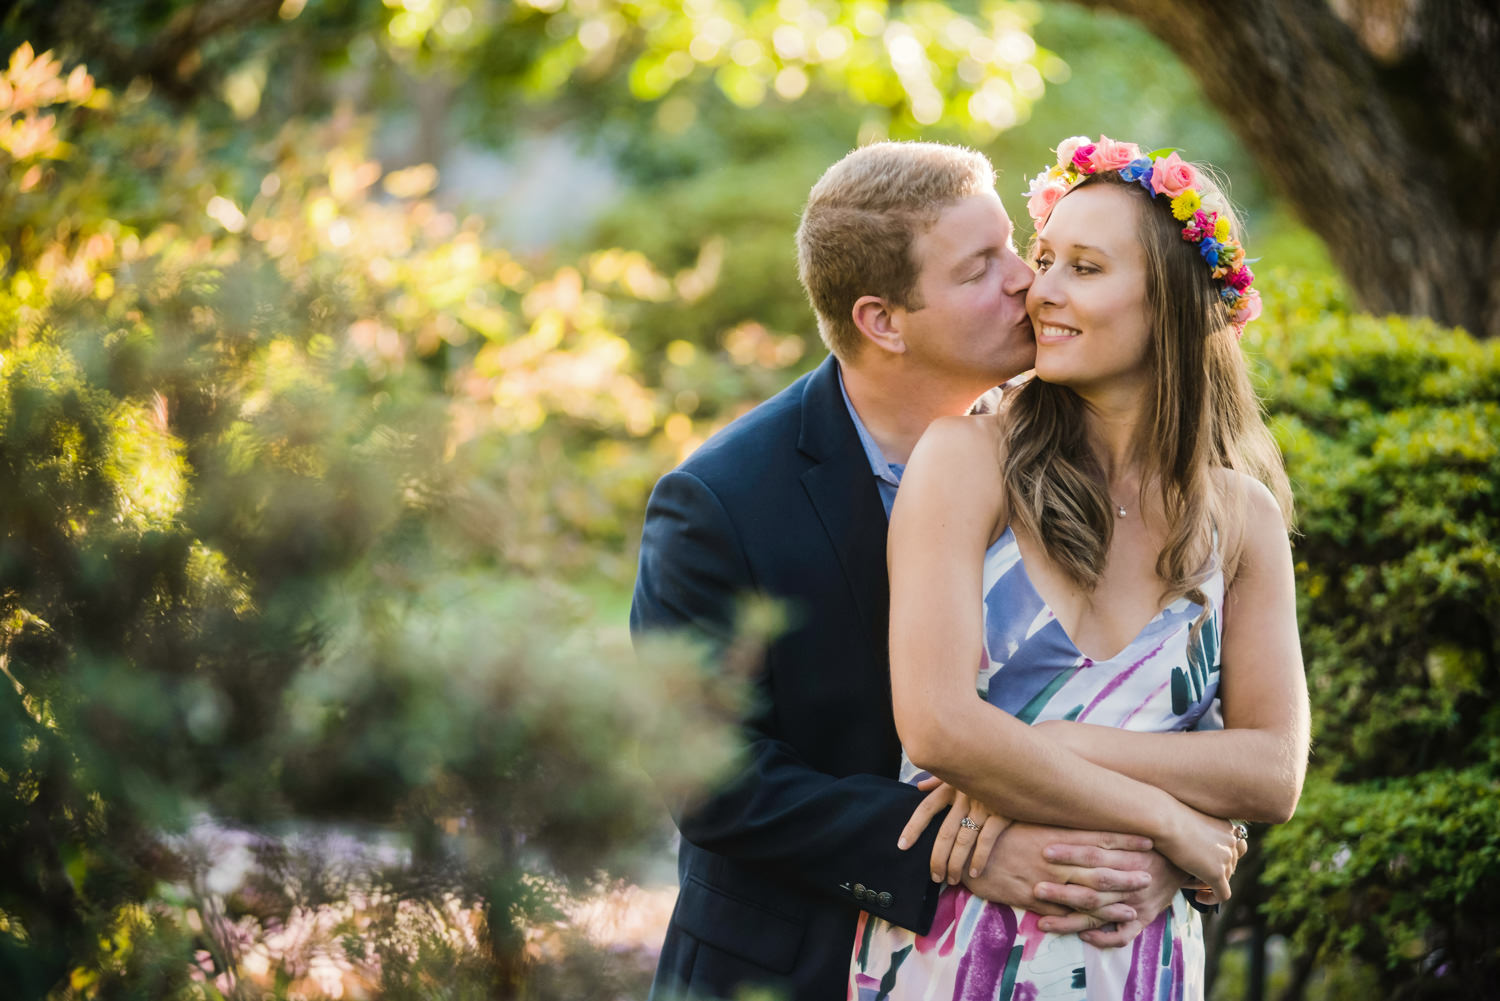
(1042, 199)
(1112, 155)
(1249, 311)
(1083, 158)
(1171, 175)
(1241, 279)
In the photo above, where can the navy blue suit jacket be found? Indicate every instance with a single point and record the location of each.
(775, 866)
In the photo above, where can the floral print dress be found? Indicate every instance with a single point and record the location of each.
(1165, 679)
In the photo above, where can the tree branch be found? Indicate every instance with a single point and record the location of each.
(1374, 154)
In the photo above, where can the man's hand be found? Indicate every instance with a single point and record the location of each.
(1166, 881)
(1079, 881)
(1104, 887)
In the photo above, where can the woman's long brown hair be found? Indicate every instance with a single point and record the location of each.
(1204, 416)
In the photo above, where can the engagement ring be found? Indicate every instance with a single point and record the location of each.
(969, 823)
(1241, 832)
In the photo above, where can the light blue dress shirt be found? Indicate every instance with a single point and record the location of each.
(887, 474)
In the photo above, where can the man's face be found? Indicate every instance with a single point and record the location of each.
(972, 326)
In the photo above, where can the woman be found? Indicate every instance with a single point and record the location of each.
(1125, 519)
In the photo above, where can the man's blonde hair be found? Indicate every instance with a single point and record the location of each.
(861, 219)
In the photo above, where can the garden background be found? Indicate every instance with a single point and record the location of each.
(341, 342)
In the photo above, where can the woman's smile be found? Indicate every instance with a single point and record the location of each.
(1052, 333)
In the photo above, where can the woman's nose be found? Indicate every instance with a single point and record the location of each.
(1043, 290)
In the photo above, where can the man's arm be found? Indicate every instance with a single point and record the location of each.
(831, 834)
(836, 836)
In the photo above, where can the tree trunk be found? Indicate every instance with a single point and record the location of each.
(1378, 121)
(1255, 966)
(1302, 967)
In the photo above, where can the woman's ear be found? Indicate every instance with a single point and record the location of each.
(880, 322)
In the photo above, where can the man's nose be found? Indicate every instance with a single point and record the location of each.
(1020, 276)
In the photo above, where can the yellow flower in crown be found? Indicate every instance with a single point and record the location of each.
(1185, 204)
(1221, 229)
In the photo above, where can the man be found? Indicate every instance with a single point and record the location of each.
(907, 256)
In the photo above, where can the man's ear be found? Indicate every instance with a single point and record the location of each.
(880, 322)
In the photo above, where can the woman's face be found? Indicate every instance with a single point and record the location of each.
(1088, 300)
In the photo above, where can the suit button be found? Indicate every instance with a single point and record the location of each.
(860, 891)
(886, 900)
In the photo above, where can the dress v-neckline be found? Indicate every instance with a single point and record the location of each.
(1047, 605)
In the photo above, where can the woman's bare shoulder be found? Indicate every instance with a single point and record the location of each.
(1256, 500)
(956, 469)
(1258, 528)
(962, 440)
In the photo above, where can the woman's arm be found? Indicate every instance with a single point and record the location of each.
(950, 502)
(1254, 767)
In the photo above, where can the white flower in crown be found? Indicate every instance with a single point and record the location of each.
(1050, 175)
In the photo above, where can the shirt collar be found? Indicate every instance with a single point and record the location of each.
(883, 470)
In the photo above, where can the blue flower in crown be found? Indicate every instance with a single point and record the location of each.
(1210, 249)
(1138, 170)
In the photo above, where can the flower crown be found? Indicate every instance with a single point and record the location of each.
(1163, 174)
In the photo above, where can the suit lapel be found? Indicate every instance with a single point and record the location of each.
(843, 491)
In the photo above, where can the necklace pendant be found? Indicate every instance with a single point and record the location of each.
(1120, 510)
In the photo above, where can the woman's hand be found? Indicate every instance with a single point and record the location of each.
(1207, 849)
(958, 844)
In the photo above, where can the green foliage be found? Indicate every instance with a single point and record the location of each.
(745, 215)
(973, 66)
(265, 558)
(1389, 427)
(919, 62)
(1398, 873)
(303, 473)
(708, 174)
